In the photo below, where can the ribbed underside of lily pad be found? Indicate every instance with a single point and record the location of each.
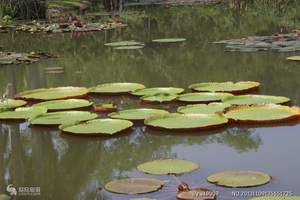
(255, 99)
(239, 178)
(168, 166)
(134, 185)
(137, 114)
(157, 90)
(53, 93)
(114, 88)
(98, 126)
(65, 104)
(203, 97)
(203, 108)
(23, 113)
(11, 103)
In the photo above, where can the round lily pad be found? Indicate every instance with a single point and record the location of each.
(123, 43)
(283, 197)
(97, 126)
(262, 113)
(169, 40)
(157, 90)
(239, 178)
(129, 47)
(66, 117)
(236, 88)
(203, 97)
(116, 88)
(53, 93)
(137, 114)
(168, 166)
(134, 185)
(65, 104)
(255, 99)
(11, 103)
(186, 121)
(293, 58)
(197, 194)
(22, 113)
(203, 108)
(160, 97)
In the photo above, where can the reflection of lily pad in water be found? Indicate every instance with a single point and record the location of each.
(115, 88)
(236, 88)
(203, 108)
(137, 114)
(129, 47)
(22, 58)
(134, 185)
(186, 121)
(197, 194)
(157, 90)
(169, 40)
(280, 197)
(203, 96)
(168, 166)
(66, 117)
(160, 98)
(239, 178)
(124, 43)
(293, 58)
(11, 103)
(98, 126)
(23, 113)
(262, 113)
(53, 93)
(255, 99)
(65, 104)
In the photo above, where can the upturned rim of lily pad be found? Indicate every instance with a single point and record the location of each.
(154, 185)
(206, 194)
(222, 121)
(99, 123)
(252, 86)
(80, 93)
(168, 166)
(82, 103)
(192, 97)
(228, 178)
(135, 117)
(157, 90)
(124, 43)
(131, 87)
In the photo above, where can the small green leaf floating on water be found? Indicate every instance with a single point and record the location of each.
(116, 88)
(235, 88)
(262, 113)
(137, 114)
(11, 103)
(22, 113)
(157, 90)
(199, 97)
(255, 99)
(134, 185)
(239, 178)
(65, 117)
(168, 166)
(129, 47)
(186, 121)
(203, 108)
(160, 97)
(293, 58)
(169, 40)
(66, 104)
(124, 43)
(53, 93)
(276, 198)
(97, 126)
(197, 194)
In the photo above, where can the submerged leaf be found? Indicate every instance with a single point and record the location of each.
(203, 97)
(137, 114)
(23, 113)
(203, 108)
(66, 104)
(115, 88)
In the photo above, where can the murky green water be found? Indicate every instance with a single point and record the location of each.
(67, 167)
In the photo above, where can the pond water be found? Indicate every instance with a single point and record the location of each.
(66, 167)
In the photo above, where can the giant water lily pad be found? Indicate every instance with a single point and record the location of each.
(255, 99)
(197, 194)
(262, 113)
(23, 113)
(169, 40)
(203, 108)
(53, 93)
(168, 166)
(123, 43)
(157, 90)
(115, 88)
(160, 97)
(129, 47)
(65, 104)
(11, 103)
(137, 114)
(66, 117)
(98, 126)
(238, 87)
(186, 121)
(203, 97)
(284, 196)
(134, 185)
(239, 178)
(293, 58)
